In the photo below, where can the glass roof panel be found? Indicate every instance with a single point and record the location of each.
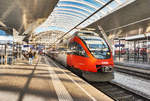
(76, 3)
(105, 0)
(63, 13)
(70, 11)
(74, 8)
(113, 4)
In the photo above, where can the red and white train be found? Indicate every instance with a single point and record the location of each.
(87, 53)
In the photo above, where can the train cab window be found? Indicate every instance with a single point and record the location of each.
(98, 47)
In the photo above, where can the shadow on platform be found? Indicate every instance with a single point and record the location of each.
(26, 73)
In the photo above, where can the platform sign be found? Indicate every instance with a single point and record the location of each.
(119, 45)
(25, 45)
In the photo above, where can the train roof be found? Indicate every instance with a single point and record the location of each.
(86, 33)
(91, 38)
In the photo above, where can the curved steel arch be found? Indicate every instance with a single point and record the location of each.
(65, 22)
(76, 14)
(82, 2)
(72, 14)
(64, 27)
(41, 34)
(71, 5)
(72, 10)
(118, 1)
(87, 4)
(66, 19)
(70, 22)
(67, 27)
(79, 3)
(75, 17)
(90, 4)
(103, 3)
(64, 15)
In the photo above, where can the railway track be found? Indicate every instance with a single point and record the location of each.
(121, 93)
(117, 93)
(133, 71)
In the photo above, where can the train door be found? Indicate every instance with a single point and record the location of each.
(77, 58)
(70, 54)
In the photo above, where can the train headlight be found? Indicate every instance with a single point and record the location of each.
(108, 53)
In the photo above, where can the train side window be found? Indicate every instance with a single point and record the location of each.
(72, 47)
(81, 51)
(77, 49)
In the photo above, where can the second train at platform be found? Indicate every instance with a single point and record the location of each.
(88, 54)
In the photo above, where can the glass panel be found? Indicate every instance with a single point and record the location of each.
(134, 51)
(98, 47)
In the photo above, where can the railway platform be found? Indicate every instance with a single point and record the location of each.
(134, 65)
(44, 80)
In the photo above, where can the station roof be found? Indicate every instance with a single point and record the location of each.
(68, 13)
(20, 14)
(57, 14)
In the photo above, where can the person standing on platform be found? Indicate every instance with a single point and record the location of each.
(15, 56)
(30, 57)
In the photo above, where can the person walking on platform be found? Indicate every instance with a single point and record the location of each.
(30, 57)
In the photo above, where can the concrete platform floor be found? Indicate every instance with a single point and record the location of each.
(44, 81)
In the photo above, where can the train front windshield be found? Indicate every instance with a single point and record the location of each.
(98, 47)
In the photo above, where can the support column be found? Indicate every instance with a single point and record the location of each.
(13, 56)
(105, 36)
(119, 50)
(148, 51)
(5, 54)
(1, 59)
(135, 55)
